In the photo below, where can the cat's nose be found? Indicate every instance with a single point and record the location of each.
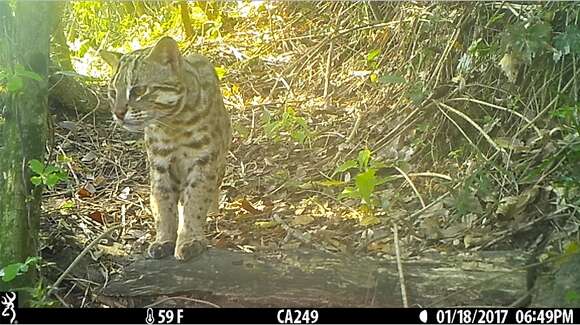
(120, 114)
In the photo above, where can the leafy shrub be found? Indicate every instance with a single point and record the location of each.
(288, 124)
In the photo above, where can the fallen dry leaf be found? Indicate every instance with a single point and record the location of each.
(99, 180)
(247, 205)
(97, 216)
(125, 193)
(512, 207)
(83, 193)
(302, 219)
(90, 156)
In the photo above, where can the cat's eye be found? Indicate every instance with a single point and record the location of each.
(138, 91)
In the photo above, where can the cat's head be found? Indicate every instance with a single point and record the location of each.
(147, 85)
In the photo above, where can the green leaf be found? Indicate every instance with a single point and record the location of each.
(541, 31)
(49, 169)
(52, 180)
(63, 158)
(363, 158)
(62, 175)
(298, 136)
(68, 205)
(346, 166)
(36, 166)
(220, 72)
(378, 164)
(572, 296)
(36, 180)
(11, 271)
(569, 41)
(365, 183)
(349, 192)
(330, 183)
(15, 84)
(465, 202)
(415, 94)
(372, 55)
(387, 79)
(571, 249)
(32, 260)
(21, 72)
(565, 112)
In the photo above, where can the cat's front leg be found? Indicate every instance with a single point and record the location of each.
(164, 196)
(196, 199)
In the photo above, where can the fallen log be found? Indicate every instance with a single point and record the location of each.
(68, 93)
(315, 279)
(559, 285)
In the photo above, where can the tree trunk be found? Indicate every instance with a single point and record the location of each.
(23, 125)
(185, 19)
(60, 47)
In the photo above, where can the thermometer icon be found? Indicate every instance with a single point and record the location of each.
(149, 319)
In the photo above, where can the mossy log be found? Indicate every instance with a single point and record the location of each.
(310, 278)
(68, 93)
(559, 287)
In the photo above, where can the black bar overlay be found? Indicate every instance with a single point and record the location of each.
(295, 316)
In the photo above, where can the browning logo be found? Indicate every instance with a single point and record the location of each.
(9, 302)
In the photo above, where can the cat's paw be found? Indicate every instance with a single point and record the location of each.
(189, 250)
(159, 250)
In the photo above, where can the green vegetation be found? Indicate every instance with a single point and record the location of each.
(47, 175)
(288, 124)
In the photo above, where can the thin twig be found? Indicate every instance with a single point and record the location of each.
(472, 122)
(327, 74)
(412, 185)
(355, 127)
(400, 267)
(78, 258)
(157, 303)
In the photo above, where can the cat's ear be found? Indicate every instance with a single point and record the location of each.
(112, 58)
(165, 52)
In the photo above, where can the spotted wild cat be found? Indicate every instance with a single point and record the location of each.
(177, 102)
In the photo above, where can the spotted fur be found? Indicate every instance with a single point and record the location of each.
(177, 102)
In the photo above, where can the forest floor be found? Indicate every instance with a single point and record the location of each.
(271, 202)
(268, 200)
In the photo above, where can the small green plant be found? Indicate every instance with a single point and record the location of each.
(373, 61)
(11, 271)
(38, 293)
(290, 124)
(527, 40)
(567, 178)
(567, 42)
(572, 296)
(366, 181)
(40, 298)
(14, 82)
(48, 175)
(570, 117)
